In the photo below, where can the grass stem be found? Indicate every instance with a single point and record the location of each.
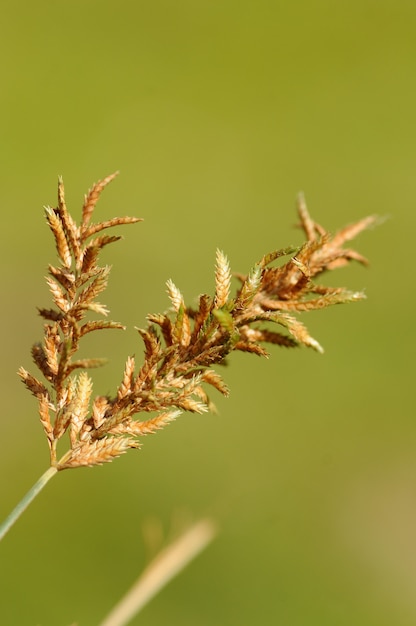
(26, 500)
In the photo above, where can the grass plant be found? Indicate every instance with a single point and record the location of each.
(181, 345)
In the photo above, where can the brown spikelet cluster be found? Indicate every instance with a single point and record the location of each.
(180, 346)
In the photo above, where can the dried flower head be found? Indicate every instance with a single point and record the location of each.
(181, 345)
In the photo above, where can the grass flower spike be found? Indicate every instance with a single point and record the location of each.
(180, 345)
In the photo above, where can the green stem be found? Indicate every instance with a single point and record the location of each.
(26, 500)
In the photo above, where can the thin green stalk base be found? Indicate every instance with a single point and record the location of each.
(26, 500)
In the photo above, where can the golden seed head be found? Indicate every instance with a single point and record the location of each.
(180, 346)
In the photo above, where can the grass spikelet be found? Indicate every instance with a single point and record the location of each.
(90, 327)
(45, 418)
(222, 280)
(92, 197)
(299, 331)
(69, 226)
(152, 425)
(97, 452)
(117, 221)
(80, 404)
(192, 405)
(249, 288)
(211, 377)
(57, 294)
(175, 296)
(33, 384)
(58, 231)
(100, 406)
(127, 383)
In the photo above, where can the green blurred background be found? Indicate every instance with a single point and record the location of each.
(217, 114)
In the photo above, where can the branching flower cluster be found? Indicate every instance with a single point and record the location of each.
(181, 345)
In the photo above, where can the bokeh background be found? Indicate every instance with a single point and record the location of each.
(217, 114)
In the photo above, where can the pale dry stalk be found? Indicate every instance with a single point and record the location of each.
(167, 564)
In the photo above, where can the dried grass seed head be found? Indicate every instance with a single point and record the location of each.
(181, 346)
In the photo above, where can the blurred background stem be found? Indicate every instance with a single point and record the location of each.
(167, 564)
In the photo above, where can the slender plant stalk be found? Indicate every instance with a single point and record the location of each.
(167, 564)
(26, 500)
